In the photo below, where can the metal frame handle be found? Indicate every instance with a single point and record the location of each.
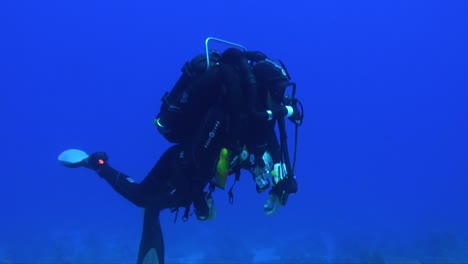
(207, 49)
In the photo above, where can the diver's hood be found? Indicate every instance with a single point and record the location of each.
(272, 76)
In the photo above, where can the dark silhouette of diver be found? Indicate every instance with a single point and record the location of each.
(180, 176)
(231, 100)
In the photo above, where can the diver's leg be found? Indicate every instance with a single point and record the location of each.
(151, 250)
(122, 184)
(151, 192)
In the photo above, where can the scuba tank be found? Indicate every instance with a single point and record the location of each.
(176, 116)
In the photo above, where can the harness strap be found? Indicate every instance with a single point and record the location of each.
(186, 214)
(231, 190)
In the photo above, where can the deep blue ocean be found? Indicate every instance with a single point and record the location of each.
(382, 161)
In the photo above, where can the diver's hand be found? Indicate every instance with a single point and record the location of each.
(297, 115)
(284, 188)
(96, 161)
(272, 205)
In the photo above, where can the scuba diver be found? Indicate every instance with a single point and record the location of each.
(220, 115)
(238, 97)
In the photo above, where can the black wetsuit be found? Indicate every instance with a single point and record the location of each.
(165, 186)
(169, 185)
(231, 109)
(229, 119)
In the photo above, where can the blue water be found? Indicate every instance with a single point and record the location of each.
(382, 159)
